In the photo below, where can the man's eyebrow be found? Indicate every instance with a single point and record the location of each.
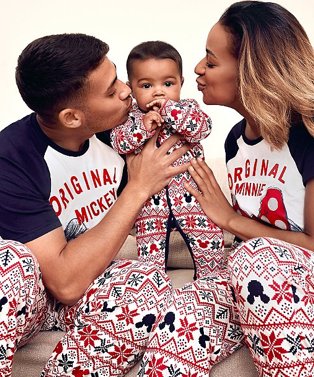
(111, 84)
(209, 52)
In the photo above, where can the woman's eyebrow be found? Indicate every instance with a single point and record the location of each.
(209, 52)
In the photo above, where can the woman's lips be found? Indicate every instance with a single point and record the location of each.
(200, 86)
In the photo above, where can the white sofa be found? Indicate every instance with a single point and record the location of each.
(30, 359)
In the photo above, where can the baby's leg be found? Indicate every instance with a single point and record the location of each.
(203, 237)
(152, 233)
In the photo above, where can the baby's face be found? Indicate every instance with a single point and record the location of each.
(153, 79)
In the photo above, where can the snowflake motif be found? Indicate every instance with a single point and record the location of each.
(190, 222)
(141, 228)
(156, 367)
(102, 280)
(191, 126)
(240, 299)
(162, 245)
(272, 346)
(195, 115)
(3, 354)
(310, 349)
(178, 200)
(144, 250)
(201, 222)
(282, 252)
(215, 245)
(121, 354)
(283, 292)
(187, 329)
(88, 336)
(255, 344)
(96, 306)
(295, 343)
(207, 296)
(135, 279)
(127, 315)
(28, 264)
(103, 348)
(174, 372)
(150, 225)
(142, 369)
(308, 299)
(65, 363)
(159, 224)
(235, 332)
(188, 373)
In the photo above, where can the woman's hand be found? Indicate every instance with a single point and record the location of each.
(151, 170)
(210, 196)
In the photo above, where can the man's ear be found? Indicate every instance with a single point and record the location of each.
(71, 118)
(182, 80)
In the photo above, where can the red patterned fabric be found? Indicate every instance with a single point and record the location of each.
(173, 207)
(107, 331)
(267, 302)
(23, 301)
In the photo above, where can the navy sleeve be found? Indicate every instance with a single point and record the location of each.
(26, 213)
(301, 145)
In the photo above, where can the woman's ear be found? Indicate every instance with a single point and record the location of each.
(71, 118)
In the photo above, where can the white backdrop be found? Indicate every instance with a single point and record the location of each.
(123, 24)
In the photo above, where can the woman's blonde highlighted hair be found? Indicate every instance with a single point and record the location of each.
(276, 70)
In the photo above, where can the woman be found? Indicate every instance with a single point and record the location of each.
(259, 62)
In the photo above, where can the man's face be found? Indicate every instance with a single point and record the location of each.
(106, 100)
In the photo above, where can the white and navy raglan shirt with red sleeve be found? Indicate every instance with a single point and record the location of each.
(269, 184)
(43, 186)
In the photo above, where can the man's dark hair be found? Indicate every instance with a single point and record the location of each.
(52, 70)
(156, 50)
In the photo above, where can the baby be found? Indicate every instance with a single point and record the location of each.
(155, 76)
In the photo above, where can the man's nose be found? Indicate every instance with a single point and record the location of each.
(125, 91)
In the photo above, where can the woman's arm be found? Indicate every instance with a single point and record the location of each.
(218, 209)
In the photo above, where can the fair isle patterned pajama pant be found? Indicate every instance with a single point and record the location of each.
(270, 307)
(106, 331)
(174, 208)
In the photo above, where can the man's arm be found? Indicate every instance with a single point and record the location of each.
(68, 268)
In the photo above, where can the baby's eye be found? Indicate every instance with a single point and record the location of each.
(146, 86)
(168, 83)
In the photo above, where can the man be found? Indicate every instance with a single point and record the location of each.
(58, 196)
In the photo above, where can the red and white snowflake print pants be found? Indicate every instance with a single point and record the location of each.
(106, 331)
(175, 208)
(23, 301)
(264, 299)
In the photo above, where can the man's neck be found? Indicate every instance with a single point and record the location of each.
(65, 138)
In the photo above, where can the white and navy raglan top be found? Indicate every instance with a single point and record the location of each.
(43, 186)
(268, 184)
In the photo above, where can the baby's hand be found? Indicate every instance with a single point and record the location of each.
(157, 104)
(152, 120)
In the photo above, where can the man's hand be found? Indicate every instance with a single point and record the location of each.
(152, 120)
(151, 170)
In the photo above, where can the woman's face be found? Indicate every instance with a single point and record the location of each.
(218, 70)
